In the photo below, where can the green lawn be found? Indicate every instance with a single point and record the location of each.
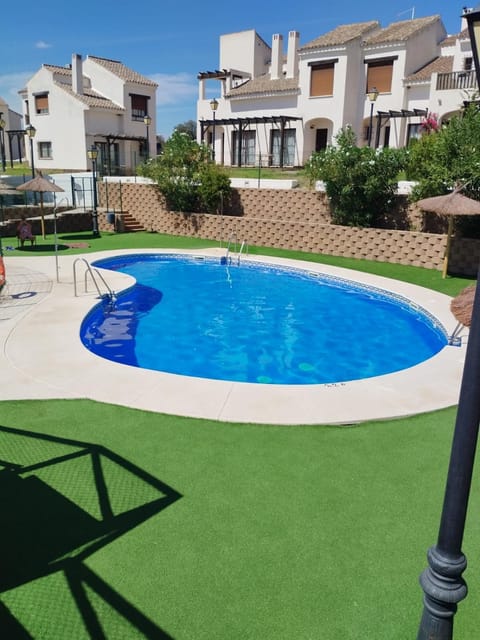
(128, 524)
(268, 532)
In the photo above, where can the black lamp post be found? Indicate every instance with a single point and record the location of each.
(372, 96)
(213, 107)
(442, 581)
(2, 141)
(147, 121)
(31, 131)
(93, 155)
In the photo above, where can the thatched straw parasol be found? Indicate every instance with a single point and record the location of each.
(462, 305)
(451, 205)
(40, 185)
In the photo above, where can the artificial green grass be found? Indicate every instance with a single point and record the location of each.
(277, 533)
(274, 532)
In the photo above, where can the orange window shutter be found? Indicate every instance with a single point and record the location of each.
(380, 76)
(41, 103)
(321, 81)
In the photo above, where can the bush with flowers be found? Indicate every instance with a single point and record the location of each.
(430, 123)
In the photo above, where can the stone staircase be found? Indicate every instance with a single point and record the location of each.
(130, 223)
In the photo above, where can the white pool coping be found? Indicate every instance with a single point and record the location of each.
(42, 356)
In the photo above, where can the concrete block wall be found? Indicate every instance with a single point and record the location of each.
(298, 220)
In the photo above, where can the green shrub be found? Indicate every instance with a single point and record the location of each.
(186, 175)
(360, 182)
(449, 157)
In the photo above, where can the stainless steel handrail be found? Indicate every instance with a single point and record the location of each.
(89, 271)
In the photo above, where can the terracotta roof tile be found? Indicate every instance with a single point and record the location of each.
(401, 31)
(90, 98)
(264, 85)
(444, 64)
(449, 40)
(342, 34)
(63, 71)
(123, 72)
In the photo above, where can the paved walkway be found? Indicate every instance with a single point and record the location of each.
(41, 356)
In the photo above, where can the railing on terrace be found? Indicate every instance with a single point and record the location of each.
(456, 80)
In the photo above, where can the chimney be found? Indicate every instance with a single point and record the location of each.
(276, 63)
(77, 75)
(292, 54)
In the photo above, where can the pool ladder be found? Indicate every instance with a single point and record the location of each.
(95, 276)
(243, 249)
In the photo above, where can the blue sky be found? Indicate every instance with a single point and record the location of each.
(171, 41)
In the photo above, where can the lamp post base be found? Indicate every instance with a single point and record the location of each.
(444, 587)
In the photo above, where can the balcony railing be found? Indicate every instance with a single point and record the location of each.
(456, 80)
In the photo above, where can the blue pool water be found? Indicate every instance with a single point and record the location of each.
(255, 323)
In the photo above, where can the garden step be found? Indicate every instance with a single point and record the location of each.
(130, 223)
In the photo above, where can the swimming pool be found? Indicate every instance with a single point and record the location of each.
(257, 323)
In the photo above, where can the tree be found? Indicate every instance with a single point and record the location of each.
(360, 182)
(189, 127)
(186, 175)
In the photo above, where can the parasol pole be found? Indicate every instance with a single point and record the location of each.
(447, 248)
(41, 215)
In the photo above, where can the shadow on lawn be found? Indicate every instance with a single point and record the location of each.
(63, 500)
(42, 248)
(78, 236)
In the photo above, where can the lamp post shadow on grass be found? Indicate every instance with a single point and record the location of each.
(62, 501)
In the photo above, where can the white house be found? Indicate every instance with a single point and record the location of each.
(92, 101)
(277, 109)
(11, 135)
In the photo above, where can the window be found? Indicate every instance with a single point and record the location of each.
(321, 78)
(288, 147)
(468, 64)
(139, 106)
(379, 75)
(413, 132)
(44, 149)
(41, 103)
(247, 150)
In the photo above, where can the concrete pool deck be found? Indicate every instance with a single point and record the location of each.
(42, 356)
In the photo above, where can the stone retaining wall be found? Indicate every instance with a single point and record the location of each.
(300, 220)
(297, 219)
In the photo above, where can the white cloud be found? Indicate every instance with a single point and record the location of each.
(41, 44)
(175, 88)
(10, 85)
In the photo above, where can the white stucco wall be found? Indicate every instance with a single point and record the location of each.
(67, 141)
(349, 103)
(72, 124)
(245, 51)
